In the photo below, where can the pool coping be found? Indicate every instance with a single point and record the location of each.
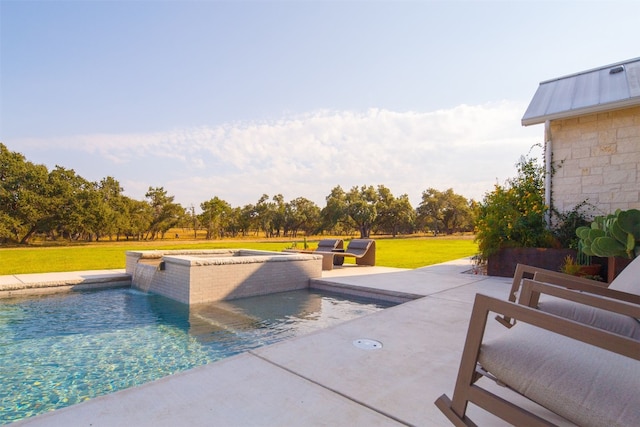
(45, 283)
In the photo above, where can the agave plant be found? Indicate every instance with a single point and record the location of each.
(614, 235)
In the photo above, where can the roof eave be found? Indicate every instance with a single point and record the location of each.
(626, 103)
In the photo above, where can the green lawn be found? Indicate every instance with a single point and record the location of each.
(402, 253)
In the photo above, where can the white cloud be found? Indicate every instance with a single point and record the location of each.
(467, 148)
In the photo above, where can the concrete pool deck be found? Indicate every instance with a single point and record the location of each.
(322, 378)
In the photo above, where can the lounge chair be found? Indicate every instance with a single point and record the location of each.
(587, 375)
(625, 287)
(326, 247)
(363, 250)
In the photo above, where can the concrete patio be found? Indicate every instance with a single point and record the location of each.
(322, 378)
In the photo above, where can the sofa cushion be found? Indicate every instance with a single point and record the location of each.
(629, 279)
(327, 245)
(602, 319)
(585, 384)
(358, 244)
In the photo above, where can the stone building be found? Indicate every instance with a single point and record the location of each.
(592, 137)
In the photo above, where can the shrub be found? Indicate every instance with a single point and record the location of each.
(513, 215)
(565, 224)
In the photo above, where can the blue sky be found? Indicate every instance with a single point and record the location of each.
(236, 99)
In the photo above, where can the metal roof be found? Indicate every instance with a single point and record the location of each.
(601, 89)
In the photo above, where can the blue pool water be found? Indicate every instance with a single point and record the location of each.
(59, 350)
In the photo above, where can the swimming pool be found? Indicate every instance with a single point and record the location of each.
(62, 349)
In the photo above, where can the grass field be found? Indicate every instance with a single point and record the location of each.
(400, 252)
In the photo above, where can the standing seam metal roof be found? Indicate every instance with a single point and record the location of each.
(601, 89)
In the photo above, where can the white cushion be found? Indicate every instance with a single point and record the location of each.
(596, 317)
(629, 278)
(585, 384)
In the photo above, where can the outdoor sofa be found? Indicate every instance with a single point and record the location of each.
(588, 375)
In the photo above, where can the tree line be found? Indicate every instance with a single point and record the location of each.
(60, 204)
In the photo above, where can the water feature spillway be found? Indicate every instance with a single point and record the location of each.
(197, 276)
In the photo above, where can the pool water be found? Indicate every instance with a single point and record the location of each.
(59, 350)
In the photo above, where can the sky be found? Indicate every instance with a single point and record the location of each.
(236, 99)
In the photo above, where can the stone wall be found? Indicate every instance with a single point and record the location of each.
(195, 277)
(597, 158)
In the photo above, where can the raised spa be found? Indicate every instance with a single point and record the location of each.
(197, 276)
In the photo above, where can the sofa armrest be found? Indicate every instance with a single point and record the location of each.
(532, 289)
(524, 271)
(585, 286)
(553, 277)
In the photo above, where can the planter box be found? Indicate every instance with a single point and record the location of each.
(503, 264)
(614, 266)
(590, 270)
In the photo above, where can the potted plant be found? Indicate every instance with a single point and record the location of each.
(581, 266)
(613, 236)
(570, 266)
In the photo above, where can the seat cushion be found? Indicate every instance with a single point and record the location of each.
(602, 319)
(585, 384)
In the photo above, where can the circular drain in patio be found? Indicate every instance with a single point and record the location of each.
(367, 344)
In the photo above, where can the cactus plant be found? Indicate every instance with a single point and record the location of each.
(614, 235)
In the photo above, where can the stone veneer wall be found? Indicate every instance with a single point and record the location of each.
(597, 158)
(219, 275)
(174, 282)
(251, 279)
